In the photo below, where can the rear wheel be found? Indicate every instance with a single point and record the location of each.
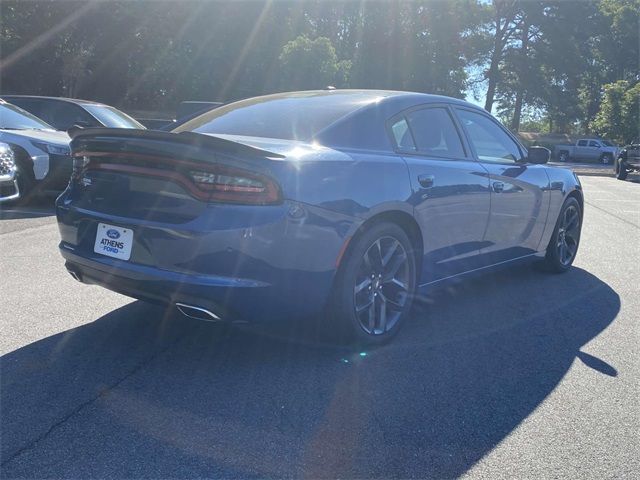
(606, 158)
(565, 240)
(375, 285)
(563, 156)
(621, 170)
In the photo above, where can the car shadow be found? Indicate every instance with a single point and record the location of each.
(33, 208)
(144, 393)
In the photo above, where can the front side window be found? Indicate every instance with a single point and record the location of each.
(490, 140)
(593, 144)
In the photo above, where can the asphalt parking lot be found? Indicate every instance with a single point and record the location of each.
(517, 374)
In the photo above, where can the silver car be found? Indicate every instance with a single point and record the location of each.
(40, 160)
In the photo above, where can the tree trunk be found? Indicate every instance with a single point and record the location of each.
(517, 108)
(492, 74)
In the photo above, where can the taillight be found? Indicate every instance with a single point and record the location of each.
(206, 182)
(228, 184)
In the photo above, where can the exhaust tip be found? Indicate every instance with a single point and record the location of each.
(198, 313)
(75, 275)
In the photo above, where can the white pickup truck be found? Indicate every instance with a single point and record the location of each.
(589, 149)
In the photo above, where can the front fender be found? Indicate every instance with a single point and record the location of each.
(562, 183)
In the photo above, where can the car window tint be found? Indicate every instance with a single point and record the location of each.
(402, 135)
(491, 142)
(435, 133)
(15, 118)
(593, 144)
(582, 143)
(294, 117)
(31, 106)
(63, 116)
(111, 117)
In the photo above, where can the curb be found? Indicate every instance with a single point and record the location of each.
(594, 173)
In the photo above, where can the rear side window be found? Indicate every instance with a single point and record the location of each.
(491, 142)
(582, 143)
(429, 131)
(402, 135)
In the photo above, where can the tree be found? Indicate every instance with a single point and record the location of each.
(618, 118)
(502, 28)
(309, 64)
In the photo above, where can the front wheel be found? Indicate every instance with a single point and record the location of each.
(565, 240)
(375, 285)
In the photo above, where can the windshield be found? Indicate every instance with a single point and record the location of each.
(294, 117)
(112, 117)
(607, 144)
(15, 118)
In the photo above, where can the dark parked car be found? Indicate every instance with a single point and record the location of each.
(187, 111)
(348, 202)
(64, 113)
(628, 160)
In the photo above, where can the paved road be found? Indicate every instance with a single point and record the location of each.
(517, 374)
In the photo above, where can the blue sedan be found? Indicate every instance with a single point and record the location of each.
(344, 203)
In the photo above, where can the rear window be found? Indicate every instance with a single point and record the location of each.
(294, 117)
(111, 117)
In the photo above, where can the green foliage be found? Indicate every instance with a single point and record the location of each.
(618, 118)
(307, 64)
(550, 57)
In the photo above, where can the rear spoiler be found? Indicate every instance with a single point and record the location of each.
(166, 144)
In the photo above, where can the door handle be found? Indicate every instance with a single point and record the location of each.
(498, 187)
(426, 181)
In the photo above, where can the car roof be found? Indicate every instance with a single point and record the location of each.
(76, 101)
(374, 95)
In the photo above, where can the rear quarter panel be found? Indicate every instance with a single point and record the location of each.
(355, 185)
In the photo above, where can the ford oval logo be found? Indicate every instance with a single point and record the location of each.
(113, 234)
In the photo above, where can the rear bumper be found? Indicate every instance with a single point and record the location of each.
(251, 270)
(226, 297)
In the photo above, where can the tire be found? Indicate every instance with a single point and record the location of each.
(621, 170)
(606, 158)
(563, 156)
(24, 176)
(374, 286)
(564, 243)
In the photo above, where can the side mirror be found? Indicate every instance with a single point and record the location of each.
(538, 155)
